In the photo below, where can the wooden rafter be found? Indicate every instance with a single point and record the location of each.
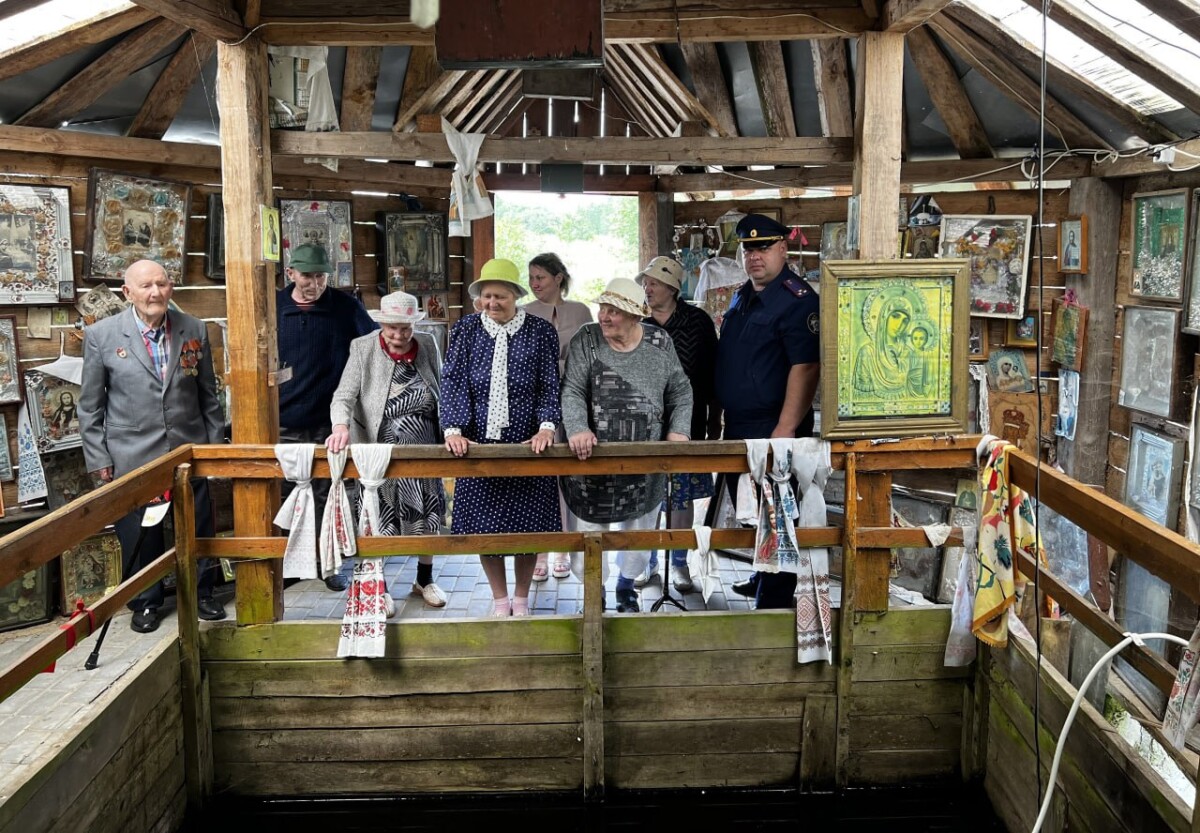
(502, 123)
(1141, 62)
(711, 91)
(470, 82)
(638, 60)
(11, 8)
(358, 87)
(831, 70)
(215, 18)
(906, 15)
(491, 85)
(766, 57)
(690, 104)
(623, 83)
(1014, 84)
(133, 52)
(497, 108)
(1029, 57)
(169, 91)
(948, 96)
(427, 101)
(1181, 14)
(422, 73)
(77, 36)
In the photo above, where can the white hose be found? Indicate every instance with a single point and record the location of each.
(1087, 681)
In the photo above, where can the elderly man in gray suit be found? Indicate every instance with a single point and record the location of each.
(148, 387)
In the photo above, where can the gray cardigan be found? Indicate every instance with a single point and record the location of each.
(360, 397)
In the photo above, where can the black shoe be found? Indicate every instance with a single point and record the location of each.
(210, 609)
(337, 582)
(145, 621)
(628, 602)
(747, 588)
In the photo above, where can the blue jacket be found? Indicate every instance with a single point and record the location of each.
(315, 344)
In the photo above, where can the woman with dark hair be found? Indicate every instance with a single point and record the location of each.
(550, 282)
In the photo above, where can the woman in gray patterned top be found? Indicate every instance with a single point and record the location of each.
(623, 383)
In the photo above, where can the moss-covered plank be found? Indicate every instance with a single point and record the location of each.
(903, 662)
(702, 631)
(908, 731)
(904, 626)
(907, 697)
(701, 702)
(442, 638)
(769, 665)
(375, 678)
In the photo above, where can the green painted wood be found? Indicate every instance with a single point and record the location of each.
(904, 662)
(906, 732)
(907, 697)
(701, 631)
(771, 665)
(904, 626)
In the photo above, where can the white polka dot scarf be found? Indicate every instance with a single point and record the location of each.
(497, 418)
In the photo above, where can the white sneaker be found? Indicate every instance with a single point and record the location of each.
(646, 576)
(434, 596)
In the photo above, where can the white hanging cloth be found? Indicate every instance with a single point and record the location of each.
(298, 513)
(337, 540)
(811, 466)
(703, 563)
(364, 625)
(468, 195)
(961, 646)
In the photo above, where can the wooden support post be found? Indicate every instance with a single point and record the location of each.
(1085, 457)
(197, 736)
(873, 569)
(593, 667)
(249, 283)
(656, 226)
(845, 649)
(483, 249)
(878, 124)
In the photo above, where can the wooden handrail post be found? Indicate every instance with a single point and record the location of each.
(197, 746)
(845, 652)
(593, 667)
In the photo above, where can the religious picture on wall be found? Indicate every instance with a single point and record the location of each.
(1008, 372)
(99, 303)
(214, 251)
(6, 469)
(90, 570)
(268, 219)
(1148, 359)
(53, 411)
(1013, 417)
(1191, 321)
(997, 248)
(1068, 404)
(922, 241)
(1070, 334)
(36, 264)
(899, 343)
(1022, 332)
(1152, 480)
(436, 306)
(326, 223)
(977, 342)
(10, 361)
(67, 477)
(1159, 234)
(27, 600)
(1194, 466)
(1072, 245)
(133, 218)
(833, 242)
(413, 256)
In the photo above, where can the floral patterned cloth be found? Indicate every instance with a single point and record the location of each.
(1183, 706)
(338, 541)
(1006, 523)
(365, 621)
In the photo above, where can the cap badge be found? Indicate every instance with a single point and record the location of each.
(754, 232)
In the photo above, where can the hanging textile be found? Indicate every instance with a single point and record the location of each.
(961, 646)
(337, 524)
(298, 513)
(469, 198)
(1005, 522)
(811, 466)
(703, 564)
(1183, 706)
(364, 624)
(31, 477)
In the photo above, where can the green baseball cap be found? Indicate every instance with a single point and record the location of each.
(309, 258)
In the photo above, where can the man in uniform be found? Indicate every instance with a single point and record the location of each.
(769, 363)
(315, 327)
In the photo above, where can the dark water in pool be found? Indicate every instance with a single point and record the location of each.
(878, 811)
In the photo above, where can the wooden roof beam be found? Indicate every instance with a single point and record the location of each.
(215, 18)
(421, 72)
(948, 96)
(711, 91)
(114, 66)
(692, 106)
(770, 76)
(77, 36)
(167, 95)
(906, 15)
(427, 100)
(1028, 57)
(831, 70)
(637, 58)
(12, 8)
(492, 84)
(359, 83)
(461, 91)
(623, 83)
(1179, 13)
(1141, 62)
(1014, 84)
(488, 117)
(593, 151)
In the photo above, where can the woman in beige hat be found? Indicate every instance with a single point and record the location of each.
(623, 383)
(550, 282)
(389, 394)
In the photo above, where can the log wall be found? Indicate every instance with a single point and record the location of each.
(705, 700)
(122, 771)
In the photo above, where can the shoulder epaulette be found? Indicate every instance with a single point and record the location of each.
(797, 287)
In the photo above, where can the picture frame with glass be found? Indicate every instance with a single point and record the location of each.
(53, 411)
(327, 223)
(214, 249)
(1070, 335)
(132, 218)
(89, 571)
(977, 340)
(894, 346)
(1022, 332)
(1154, 474)
(1191, 321)
(1148, 359)
(36, 262)
(1072, 245)
(10, 362)
(1159, 243)
(6, 469)
(413, 254)
(997, 249)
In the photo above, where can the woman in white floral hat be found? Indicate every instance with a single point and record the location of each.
(389, 394)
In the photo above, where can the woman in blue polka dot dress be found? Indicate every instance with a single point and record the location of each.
(500, 385)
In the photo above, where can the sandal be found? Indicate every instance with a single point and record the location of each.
(539, 572)
(562, 568)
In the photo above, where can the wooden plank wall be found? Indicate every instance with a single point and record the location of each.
(703, 700)
(198, 294)
(123, 770)
(1102, 783)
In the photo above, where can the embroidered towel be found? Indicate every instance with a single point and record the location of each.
(1183, 706)
(298, 513)
(364, 624)
(811, 466)
(703, 564)
(337, 524)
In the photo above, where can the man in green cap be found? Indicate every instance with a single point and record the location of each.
(314, 327)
